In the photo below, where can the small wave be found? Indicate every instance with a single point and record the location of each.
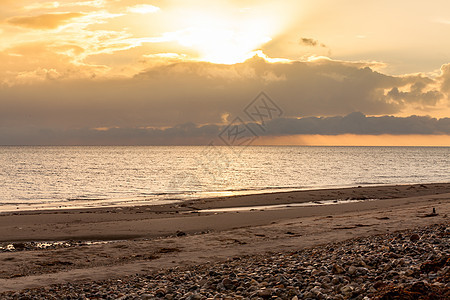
(269, 188)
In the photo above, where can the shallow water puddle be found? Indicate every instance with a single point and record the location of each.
(280, 206)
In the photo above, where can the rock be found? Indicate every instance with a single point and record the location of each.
(378, 265)
(19, 246)
(264, 284)
(379, 284)
(227, 283)
(316, 291)
(195, 297)
(335, 280)
(434, 265)
(352, 270)
(265, 293)
(180, 233)
(347, 289)
(337, 269)
(220, 287)
(254, 282)
(387, 267)
(363, 271)
(414, 237)
(325, 286)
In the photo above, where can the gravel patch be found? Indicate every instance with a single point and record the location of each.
(412, 264)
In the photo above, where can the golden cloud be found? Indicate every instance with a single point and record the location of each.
(45, 21)
(56, 4)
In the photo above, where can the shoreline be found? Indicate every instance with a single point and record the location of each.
(140, 201)
(247, 199)
(143, 240)
(150, 221)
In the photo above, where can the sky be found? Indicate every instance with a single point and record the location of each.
(304, 72)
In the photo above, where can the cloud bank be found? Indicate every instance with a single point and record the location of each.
(194, 134)
(54, 106)
(200, 92)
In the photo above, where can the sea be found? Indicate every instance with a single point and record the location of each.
(33, 178)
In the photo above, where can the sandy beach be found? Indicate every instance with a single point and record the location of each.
(202, 150)
(87, 245)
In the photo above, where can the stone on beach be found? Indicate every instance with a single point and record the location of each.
(388, 266)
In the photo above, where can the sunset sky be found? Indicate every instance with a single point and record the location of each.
(117, 72)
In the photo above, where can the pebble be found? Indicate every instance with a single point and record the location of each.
(362, 268)
(414, 237)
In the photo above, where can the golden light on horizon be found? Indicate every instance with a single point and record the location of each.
(357, 140)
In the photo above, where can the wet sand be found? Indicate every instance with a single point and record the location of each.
(149, 238)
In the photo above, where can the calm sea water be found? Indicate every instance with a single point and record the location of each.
(43, 177)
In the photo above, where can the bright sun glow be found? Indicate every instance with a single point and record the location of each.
(227, 39)
(143, 9)
(222, 45)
